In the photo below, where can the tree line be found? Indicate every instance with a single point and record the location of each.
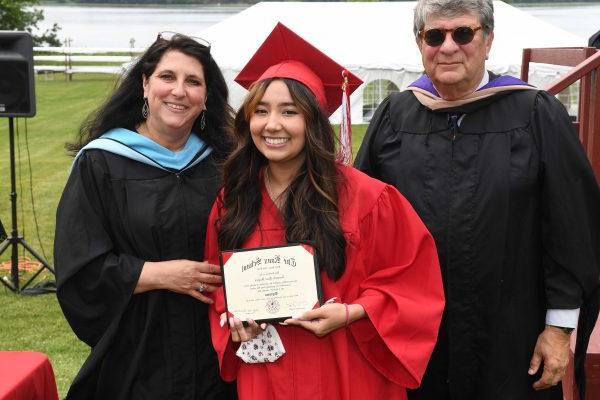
(21, 15)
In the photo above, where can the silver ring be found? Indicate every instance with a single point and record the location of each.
(201, 287)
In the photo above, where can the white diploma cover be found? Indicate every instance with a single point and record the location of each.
(270, 284)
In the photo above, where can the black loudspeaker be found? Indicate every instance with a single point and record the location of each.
(17, 94)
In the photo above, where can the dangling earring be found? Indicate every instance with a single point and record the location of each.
(145, 108)
(203, 120)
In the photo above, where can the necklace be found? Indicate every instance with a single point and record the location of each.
(272, 195)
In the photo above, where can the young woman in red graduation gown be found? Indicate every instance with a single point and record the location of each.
(282, 184)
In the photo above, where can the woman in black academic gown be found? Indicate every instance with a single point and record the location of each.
(131, 224)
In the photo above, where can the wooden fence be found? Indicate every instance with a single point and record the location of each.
(72, 60)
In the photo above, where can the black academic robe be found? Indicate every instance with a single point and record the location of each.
(115, 214)
(513, 205)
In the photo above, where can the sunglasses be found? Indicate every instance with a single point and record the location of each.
(168, 36)
(436, 36)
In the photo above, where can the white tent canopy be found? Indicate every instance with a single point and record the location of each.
(375, 41)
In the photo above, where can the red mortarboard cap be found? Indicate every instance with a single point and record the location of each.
(284, 54)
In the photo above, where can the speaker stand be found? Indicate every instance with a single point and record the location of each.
(13, 239)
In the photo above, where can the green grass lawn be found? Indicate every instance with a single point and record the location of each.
(35, 322)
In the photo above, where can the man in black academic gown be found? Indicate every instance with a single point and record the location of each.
(496, 172)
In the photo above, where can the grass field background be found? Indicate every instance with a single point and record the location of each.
(36, 323)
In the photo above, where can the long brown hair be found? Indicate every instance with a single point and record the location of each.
(310, 212)
(123, 108)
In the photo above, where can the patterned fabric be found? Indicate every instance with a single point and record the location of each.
(266, 347)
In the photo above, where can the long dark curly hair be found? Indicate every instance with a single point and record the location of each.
(123, 107)
(310, 211)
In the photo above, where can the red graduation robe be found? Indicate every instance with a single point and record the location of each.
(392, 270)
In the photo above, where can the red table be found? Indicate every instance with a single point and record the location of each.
(26, 375)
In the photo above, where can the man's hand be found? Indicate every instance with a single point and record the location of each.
(552, 348)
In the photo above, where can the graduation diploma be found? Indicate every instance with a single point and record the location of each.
(270, 284)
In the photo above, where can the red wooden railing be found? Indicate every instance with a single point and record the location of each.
(586, 69)
(586, 63)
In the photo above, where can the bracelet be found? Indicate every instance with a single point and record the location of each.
(347, 314)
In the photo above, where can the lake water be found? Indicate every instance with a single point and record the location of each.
(582, 19)
(95, 26)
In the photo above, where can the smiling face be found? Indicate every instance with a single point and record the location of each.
(455, 70)
(176, 93)
(278, 128)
